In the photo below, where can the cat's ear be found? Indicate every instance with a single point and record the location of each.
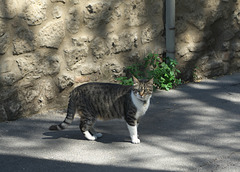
(135, 81)
(150, 82)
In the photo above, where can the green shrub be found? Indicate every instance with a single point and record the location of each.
(163, 71)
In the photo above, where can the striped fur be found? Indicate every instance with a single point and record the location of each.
(106, 101)
(70, 115)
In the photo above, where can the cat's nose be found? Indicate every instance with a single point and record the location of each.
(141, 93)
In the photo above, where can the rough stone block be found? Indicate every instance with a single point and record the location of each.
(9, 73)
(226, 56)
(31, 94)
(76, 54)
(212, 65)
(28, 65)
(198, 20)
(87, 69)
(34, 66)
(8, 9)
(50, 92)
(135, 12)
(225, 46)
(46, 89)
(3, 27)
(10, 78)
(36, 95)
(81, 79)
(204, 59)
(24, 41)
(6, 66)
(192, 35)
(52, 34)
(236, 15)
(74, 2)
(182, 48)
(65, 80)
(123, 42)
(180, 26)
(35, 12)
(13, 109)
(3, 114)
(196, 47)
(51, 65)
(226, 68)
(228, 34)
(111, 69)
(4, 43)
(237, 63)
(57, 12)
(99, 48)
(150, 32)
(80, 41)
(73, 22)
(189, 57)
(236, 46)
(96, 14)
(6, 93)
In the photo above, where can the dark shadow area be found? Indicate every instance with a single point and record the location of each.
(114, 131)
(10, 163)
(107, 138)
(67, 134)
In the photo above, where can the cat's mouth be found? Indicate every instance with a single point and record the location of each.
(143, 97)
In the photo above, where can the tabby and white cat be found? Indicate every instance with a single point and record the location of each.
(108, 101)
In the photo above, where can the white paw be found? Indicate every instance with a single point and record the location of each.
(98, 135)
(89, 136)
(135, 140)
(92, 138)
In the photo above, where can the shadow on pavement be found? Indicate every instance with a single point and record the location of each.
(21, 163)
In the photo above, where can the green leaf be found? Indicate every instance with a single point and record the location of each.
(164, 73)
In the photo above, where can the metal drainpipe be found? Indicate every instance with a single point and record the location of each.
(170, 28)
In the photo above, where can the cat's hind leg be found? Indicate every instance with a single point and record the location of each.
(89, 136)
(85, 126)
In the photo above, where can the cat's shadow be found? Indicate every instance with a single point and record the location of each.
(113, 131)
(77, 135)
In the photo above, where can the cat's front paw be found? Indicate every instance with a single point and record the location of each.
(135, 140)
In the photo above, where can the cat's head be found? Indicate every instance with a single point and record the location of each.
(142, 89)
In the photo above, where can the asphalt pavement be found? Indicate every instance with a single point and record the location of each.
(195, 127)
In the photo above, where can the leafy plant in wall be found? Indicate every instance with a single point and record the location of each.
(163, 70)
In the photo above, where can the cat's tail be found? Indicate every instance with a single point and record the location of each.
(70, 115)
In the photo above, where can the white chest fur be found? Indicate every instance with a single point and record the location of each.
(140, 105)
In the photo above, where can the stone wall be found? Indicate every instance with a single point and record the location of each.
(47, 47)
(208, 37)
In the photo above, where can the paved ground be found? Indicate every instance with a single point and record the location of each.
(195, 127)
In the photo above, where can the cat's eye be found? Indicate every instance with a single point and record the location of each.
(149, 90)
